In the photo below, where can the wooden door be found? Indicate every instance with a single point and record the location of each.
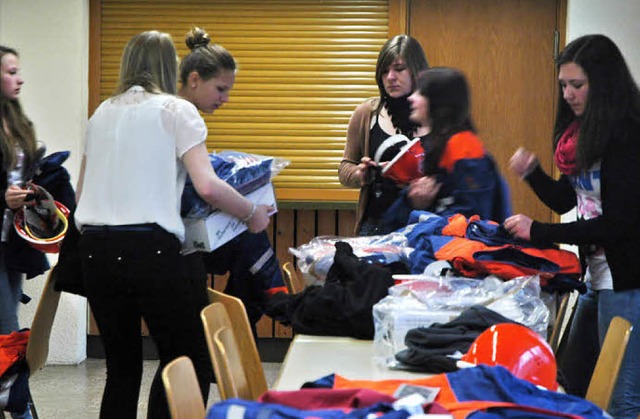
(506, 49)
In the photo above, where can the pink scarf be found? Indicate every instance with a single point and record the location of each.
(565, 155)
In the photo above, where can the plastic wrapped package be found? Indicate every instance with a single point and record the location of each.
(316, 257)
(426, 300)
(243, 171)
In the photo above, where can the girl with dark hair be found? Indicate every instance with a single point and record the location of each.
(459, 175)
(597, 151)
(399, 62)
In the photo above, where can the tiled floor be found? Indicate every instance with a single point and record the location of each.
(74, 391)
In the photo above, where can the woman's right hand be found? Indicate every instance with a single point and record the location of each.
(423, 191)
(363, 172)
(260, 219)
(523, 162)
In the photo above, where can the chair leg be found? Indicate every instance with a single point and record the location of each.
(32, 406)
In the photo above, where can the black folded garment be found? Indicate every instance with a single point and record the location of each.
(429, 348)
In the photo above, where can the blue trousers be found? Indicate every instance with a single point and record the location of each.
(577, 359)
(10, 293)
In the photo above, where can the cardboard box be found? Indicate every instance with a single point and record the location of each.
(207, 234)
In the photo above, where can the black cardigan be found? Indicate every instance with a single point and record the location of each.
(618, 228)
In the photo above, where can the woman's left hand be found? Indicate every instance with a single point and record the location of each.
(519, 226)
(16, 197)
(259, 221)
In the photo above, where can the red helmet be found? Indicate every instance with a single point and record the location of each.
(44, 224)
(517, 348)
(403, 157)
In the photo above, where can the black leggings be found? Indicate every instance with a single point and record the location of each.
(134, 273)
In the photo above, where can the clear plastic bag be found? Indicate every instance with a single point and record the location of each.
(316, 257)
(243, 171)
(426, 300)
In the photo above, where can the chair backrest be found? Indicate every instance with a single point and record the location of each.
(234, 378)
(607, 367)
(214, 317)
(293, 283)
(239, 323)
(182, 389)
(38, 344)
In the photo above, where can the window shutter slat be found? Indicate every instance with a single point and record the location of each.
(303, 67)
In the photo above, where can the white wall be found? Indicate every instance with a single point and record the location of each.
(617, 19)
(52, 40)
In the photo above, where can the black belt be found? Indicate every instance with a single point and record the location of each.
(121, 228)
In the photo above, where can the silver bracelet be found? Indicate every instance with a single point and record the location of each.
(251, 214)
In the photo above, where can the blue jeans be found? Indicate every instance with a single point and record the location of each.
(577, 359)
(10, 293)
(25, 415)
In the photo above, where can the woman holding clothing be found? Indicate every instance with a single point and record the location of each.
(254, 270)
(18, 156)
(597, 150)
(399, 62)
(140, 145)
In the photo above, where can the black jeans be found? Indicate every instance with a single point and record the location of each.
(139, 272)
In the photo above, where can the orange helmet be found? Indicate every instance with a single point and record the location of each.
(403, 156)
(519, 349)
(44, 224)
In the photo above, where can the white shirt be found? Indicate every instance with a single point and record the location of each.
(587, 187)
(133, 149)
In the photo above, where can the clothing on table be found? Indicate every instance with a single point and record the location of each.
(343, 305)
(488, 392)
(477, 248)
(428, 347)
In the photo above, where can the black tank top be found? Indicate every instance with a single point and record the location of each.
(383, 191)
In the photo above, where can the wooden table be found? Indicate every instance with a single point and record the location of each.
(311, 357)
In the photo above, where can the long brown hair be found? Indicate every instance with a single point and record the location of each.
(16, 129)
(149, 60)
(613, 99)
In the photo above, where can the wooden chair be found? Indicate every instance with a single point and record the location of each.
(182, 389)
(38, 345)
(233, 374)
(607, 367)
(239, 323)
(557, 331)
(291, 280)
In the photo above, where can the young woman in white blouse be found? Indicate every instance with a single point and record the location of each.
(140, 145)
